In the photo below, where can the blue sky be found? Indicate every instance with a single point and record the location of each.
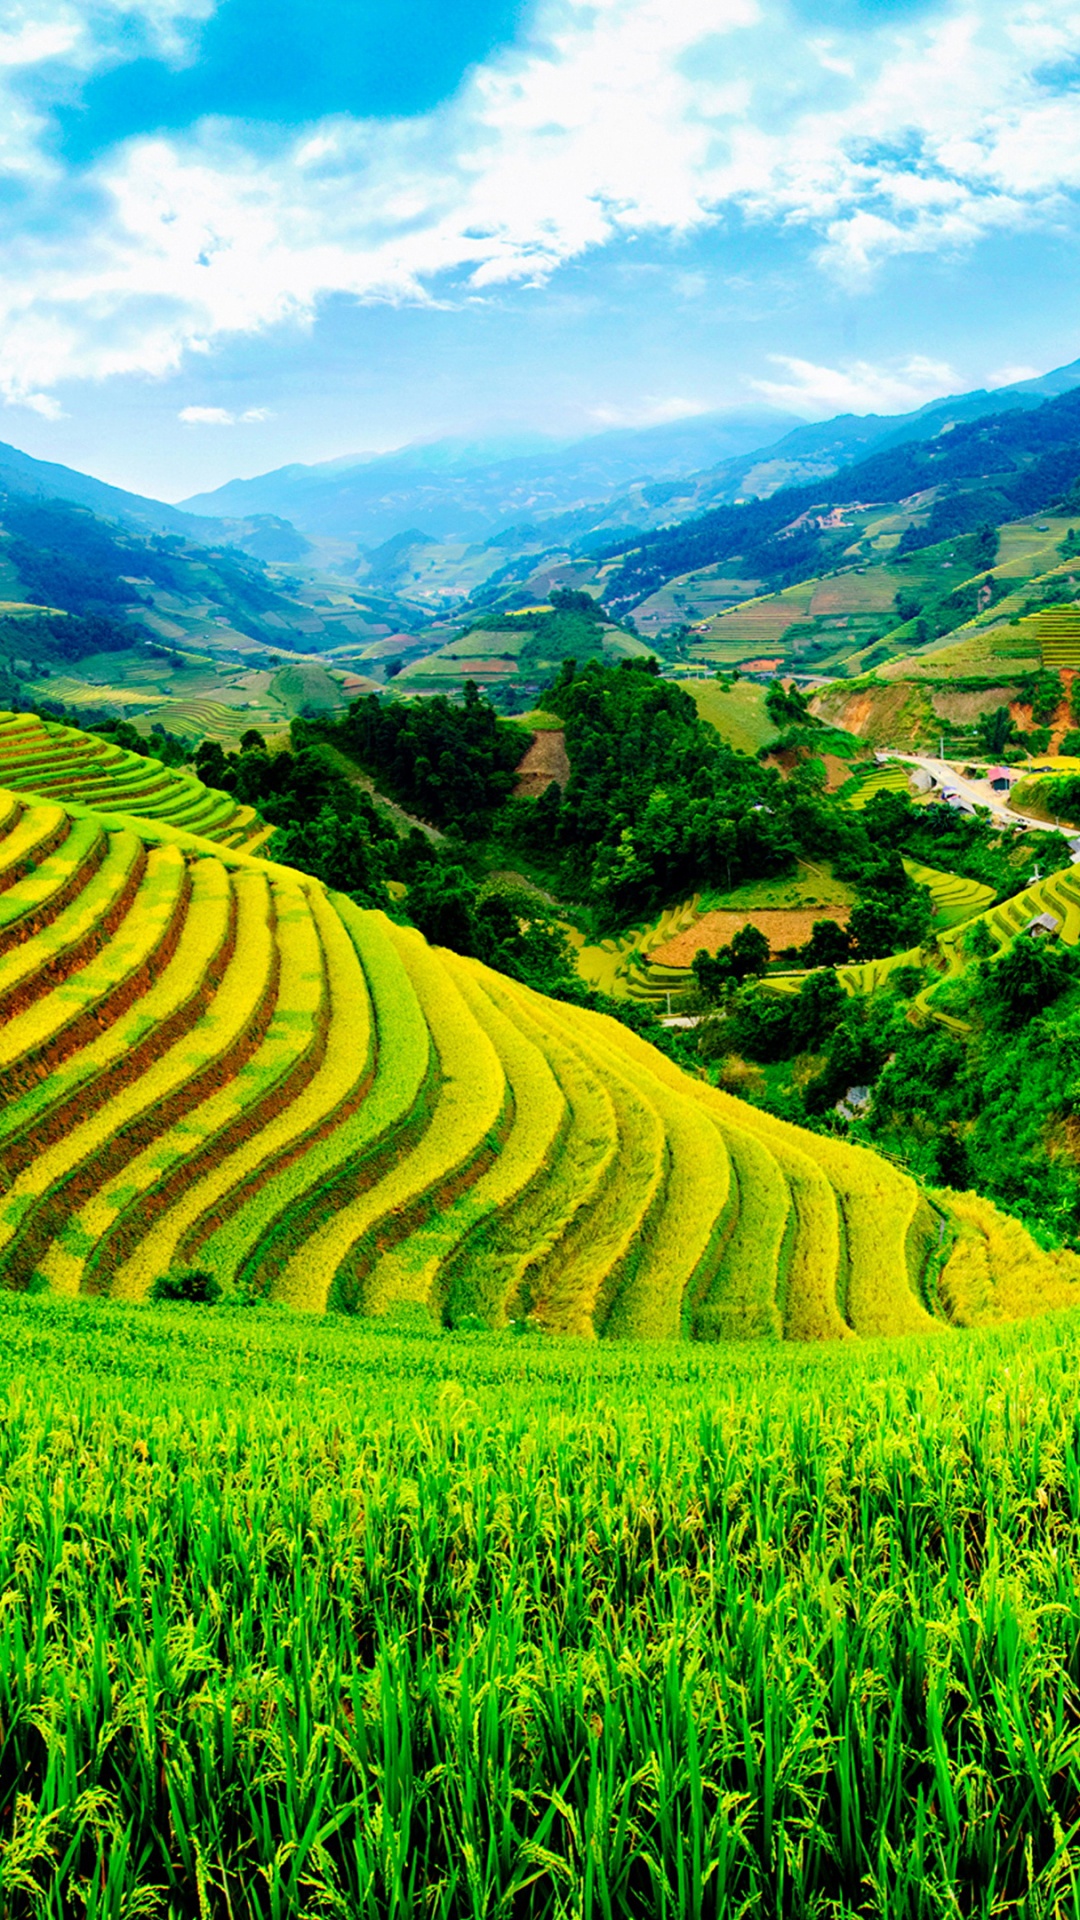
(242, 232)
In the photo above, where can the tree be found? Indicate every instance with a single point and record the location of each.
(829, 945)
(1026, 979)
(441, 902)
(818, 1009)
(995, 731)
(979, 941)
(749, 953)
(713, 974)
(344, 852)
(884, 923)
(985, 542)
(788, 706)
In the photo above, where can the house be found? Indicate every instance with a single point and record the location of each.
(1043, 927)
(958, 801)
(1002, 778)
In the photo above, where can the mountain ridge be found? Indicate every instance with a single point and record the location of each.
(377, 498)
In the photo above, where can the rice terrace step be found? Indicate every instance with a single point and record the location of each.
(209, 1059)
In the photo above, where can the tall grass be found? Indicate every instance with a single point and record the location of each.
(306, 1618)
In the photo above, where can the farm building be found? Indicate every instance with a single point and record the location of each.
(959, 802)
(1043, 927)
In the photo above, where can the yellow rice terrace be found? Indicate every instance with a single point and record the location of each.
(208, 1061)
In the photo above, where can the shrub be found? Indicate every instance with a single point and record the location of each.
(197, 1288)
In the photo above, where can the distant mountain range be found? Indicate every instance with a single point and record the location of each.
(631, 477)
(263, 535)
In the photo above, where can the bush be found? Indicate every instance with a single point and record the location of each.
(198, 1288)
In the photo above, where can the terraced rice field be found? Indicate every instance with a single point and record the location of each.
(61, 763)
(207, 1061)
(1058, 630)
(890, 778)
(955, 897)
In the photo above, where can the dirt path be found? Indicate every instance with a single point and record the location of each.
(546, 760)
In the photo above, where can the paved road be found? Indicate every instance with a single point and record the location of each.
(979, 792)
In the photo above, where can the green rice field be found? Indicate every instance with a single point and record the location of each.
(305, 1618)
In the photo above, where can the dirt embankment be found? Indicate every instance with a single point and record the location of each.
(782, 928)
(894, 713)
(546, 760)
(788, 758)
(963, 708)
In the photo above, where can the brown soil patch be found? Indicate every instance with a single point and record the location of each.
(788, 758)
(782, 928)
(545, 761)
(891, 714)
(1063, 720)
(965, 707)
(785, 761)
(851, 714)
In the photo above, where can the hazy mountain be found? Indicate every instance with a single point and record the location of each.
(468, 490)
(264, 536)
(45, 480)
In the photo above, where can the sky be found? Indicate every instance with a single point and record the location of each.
(241, 233)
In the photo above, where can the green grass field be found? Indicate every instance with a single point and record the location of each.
(738, 712)
(302, 1618)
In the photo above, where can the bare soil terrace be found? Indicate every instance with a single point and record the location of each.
(715, 930)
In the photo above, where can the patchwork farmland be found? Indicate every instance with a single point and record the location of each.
(207, 1061)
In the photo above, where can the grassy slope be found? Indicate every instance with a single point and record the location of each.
(738, 712)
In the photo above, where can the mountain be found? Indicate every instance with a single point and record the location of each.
(264, 536)
(984, 470)
(468, 490)
(45, 480)
(460, 490)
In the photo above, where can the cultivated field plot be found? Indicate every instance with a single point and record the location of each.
(955, 897)
(789, 927)
(692, 598)
(206, 1061)
(43, 757)
(974, 652)
(890, 778)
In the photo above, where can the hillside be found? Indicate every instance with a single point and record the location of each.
(209, 1061)
(110, 619)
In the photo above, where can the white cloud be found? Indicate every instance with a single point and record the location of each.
(1010, 376)
(206, 417)
(857, 388)
(651, 413)
(610, 118)
(43, 403)
(221, 416)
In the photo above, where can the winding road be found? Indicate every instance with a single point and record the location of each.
(979, 792)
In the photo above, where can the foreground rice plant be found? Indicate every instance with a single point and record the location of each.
(302, 1618)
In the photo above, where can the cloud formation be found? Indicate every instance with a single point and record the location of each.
(221, 416)
(857, 388)
(606, 120)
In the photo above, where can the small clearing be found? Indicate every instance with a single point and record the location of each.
(545, 760)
